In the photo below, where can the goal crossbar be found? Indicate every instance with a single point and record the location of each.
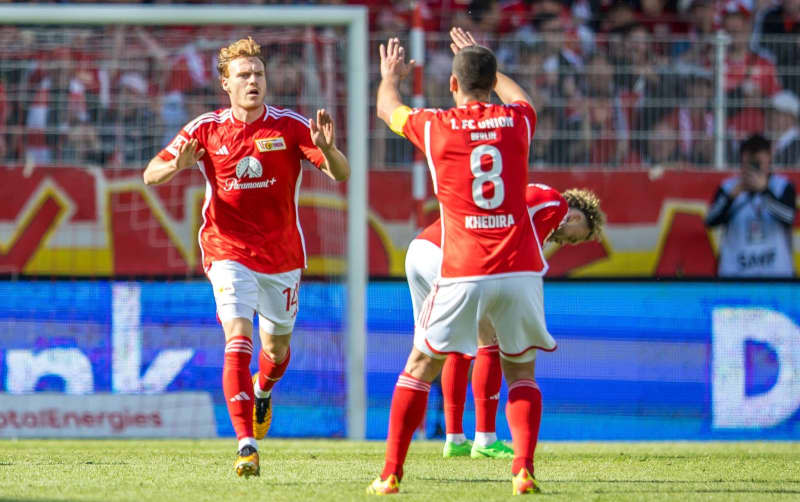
(355, 19)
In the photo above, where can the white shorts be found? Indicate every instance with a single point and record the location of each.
(513, 304)
(241, 292)
(423, 262)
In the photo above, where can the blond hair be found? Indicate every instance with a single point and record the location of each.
(244, 48)
(588, 203)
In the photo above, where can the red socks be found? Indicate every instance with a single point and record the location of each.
(524, 413)
(268, 372)
(237, 385)
(408, 409)
(455, 375)
(487, 377)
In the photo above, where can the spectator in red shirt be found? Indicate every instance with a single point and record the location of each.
(749, 80)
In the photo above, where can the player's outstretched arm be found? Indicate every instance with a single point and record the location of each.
(160, 171)
(506, 89)
(393, 70)
(323, 135)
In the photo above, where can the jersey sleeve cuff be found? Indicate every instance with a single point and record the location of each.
(166, 155)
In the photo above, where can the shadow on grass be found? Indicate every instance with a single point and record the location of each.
(88, 462)
(668, 481)
(701, 490)
(18, 499)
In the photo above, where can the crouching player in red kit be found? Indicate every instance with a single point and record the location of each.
(491, 268)
(251, 243)
(569, 218)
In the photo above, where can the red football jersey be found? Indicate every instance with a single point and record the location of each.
(546, 207)
(478, 158)
(253, 175)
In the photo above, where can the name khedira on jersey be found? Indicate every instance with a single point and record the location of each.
(489, 221)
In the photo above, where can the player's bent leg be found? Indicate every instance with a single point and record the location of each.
(277, 309)
(455, 376)
(408, 409)
(524, 413)
(272, 363)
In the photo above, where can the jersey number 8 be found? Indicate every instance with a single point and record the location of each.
(491, 176)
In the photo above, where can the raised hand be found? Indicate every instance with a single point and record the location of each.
(188, 154)
(393, 65)
(460, 39)
(322, 131)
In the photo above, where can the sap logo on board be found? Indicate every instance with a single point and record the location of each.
(732, 328)
(24, 368)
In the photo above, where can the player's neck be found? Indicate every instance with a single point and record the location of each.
(246, 115)
(463, 99)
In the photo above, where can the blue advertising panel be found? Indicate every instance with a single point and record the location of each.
(634, 360)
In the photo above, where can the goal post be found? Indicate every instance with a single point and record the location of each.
(354, 18)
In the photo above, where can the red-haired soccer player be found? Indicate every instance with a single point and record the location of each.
(251, 242)
(568, 218)
(491, 269)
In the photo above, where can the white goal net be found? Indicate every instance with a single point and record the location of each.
(88, 94)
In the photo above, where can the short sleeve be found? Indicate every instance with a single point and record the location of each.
(171, 150)
(414, 128)
(192, 130)
(528, 113)
(308, 149)
(546, 206)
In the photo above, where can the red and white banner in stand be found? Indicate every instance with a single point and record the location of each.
(73, 221)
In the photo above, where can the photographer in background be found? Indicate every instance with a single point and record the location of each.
(757, 209)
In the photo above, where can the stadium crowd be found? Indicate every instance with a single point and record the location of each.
(616, 84)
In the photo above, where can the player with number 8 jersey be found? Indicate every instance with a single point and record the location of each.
(491, 269)
(478, 157)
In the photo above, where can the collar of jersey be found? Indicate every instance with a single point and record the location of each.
(260, 118)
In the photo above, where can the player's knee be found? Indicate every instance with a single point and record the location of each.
(237, 326)
(514, 371)
(275, 347)
(422, 366)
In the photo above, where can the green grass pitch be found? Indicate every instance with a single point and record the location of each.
(319, 470)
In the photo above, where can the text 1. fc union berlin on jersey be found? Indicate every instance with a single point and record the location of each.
(253, 173)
